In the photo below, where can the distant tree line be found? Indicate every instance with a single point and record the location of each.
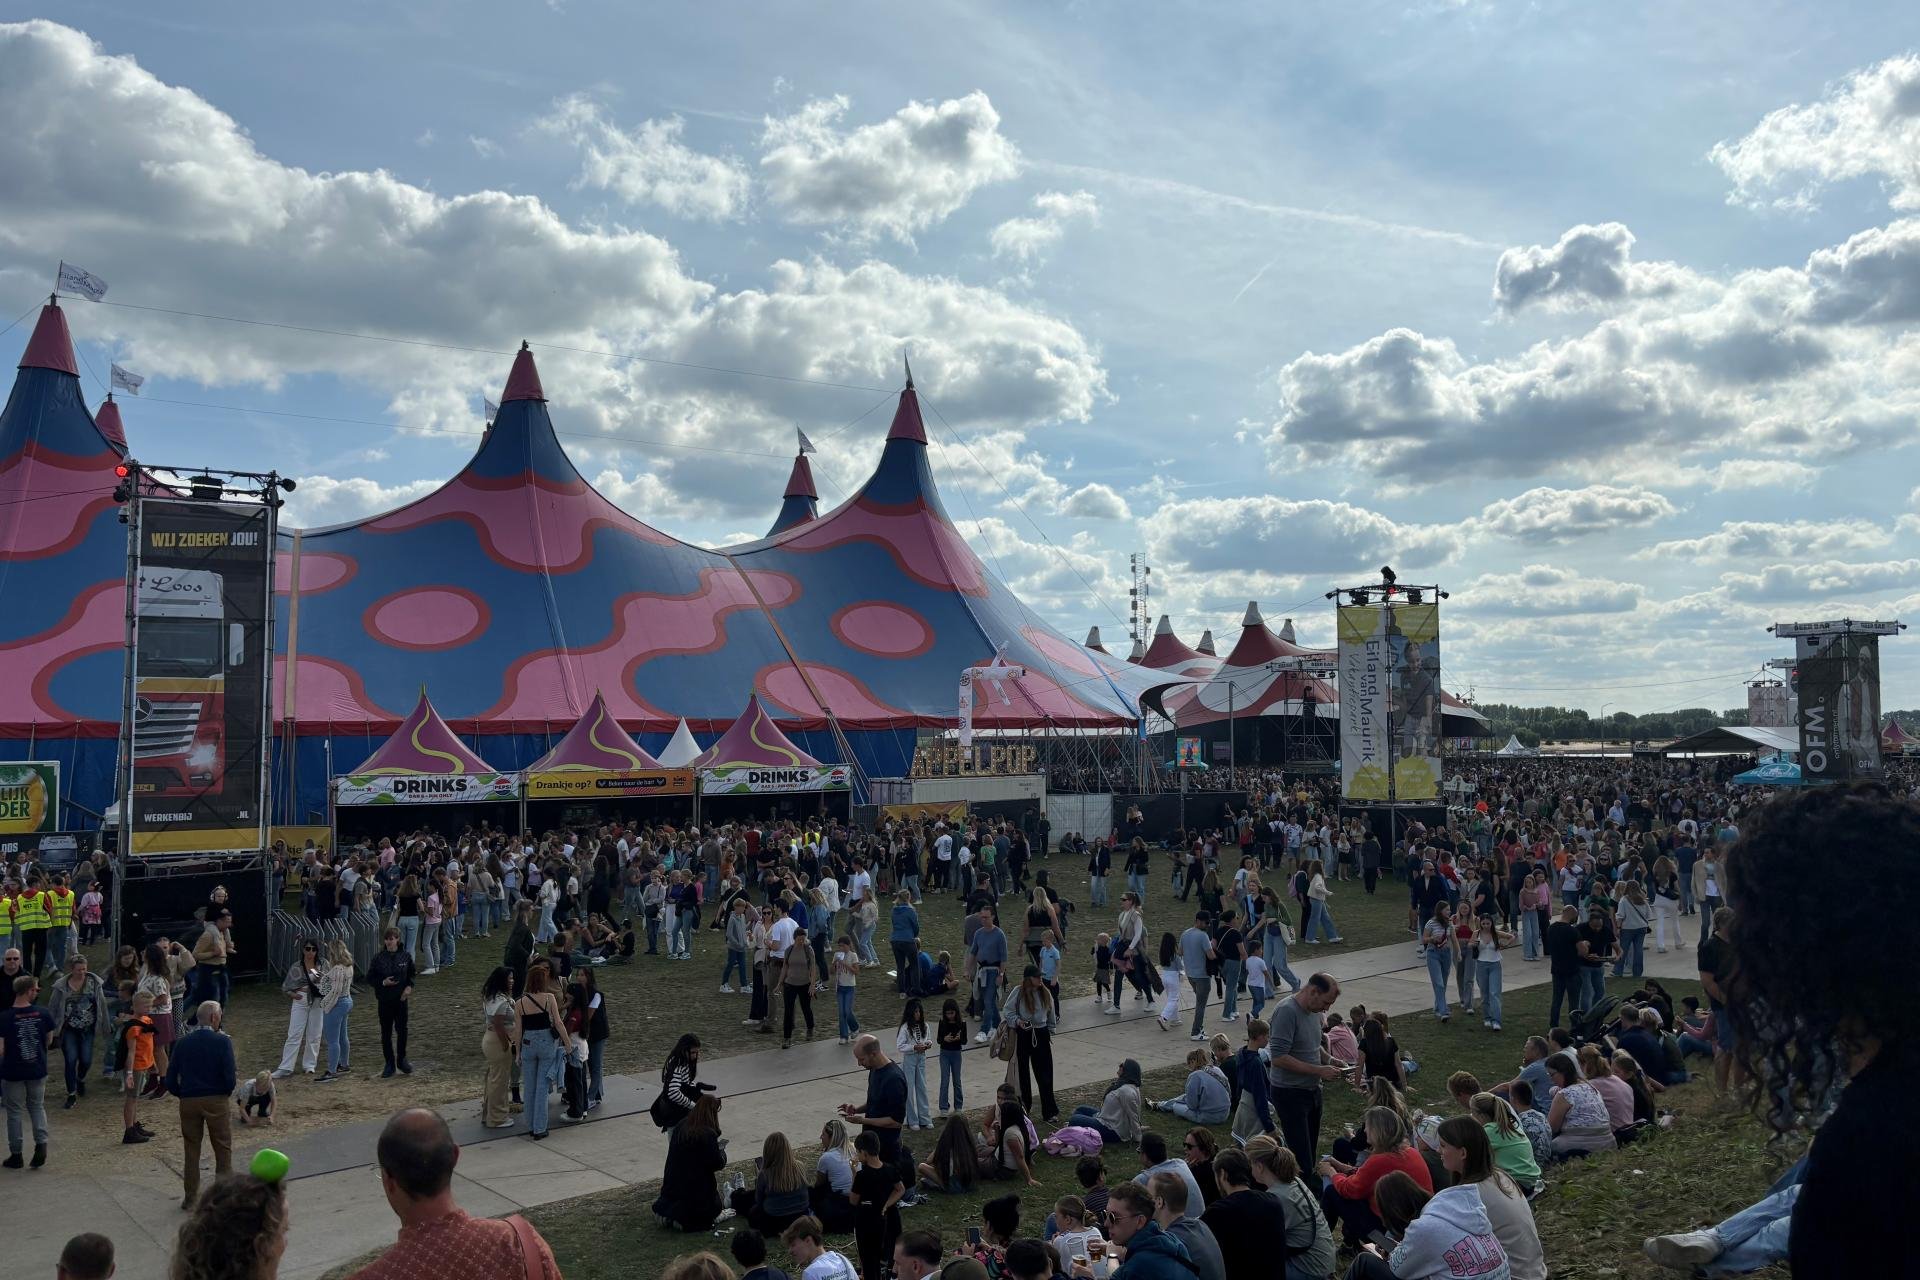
(1534, 725)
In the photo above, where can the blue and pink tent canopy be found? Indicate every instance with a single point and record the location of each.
(517, 591)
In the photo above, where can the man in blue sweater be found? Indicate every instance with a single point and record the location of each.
(989, 948)
(201, 1075)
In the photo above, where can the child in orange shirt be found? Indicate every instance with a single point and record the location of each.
(136, 1058)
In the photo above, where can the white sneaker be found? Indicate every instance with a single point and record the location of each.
(1685, 1251)
(1229, 1017)
(982, 1037)
(1198, 1036)
(726, 988)
(428, 973)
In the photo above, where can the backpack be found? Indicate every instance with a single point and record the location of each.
(1073, 1140)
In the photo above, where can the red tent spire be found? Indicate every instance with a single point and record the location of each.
(51, 346)
(108, 420)
(906, 419)
(523, 383)
(800, 482)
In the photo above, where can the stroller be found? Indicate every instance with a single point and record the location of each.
(1588, 1024)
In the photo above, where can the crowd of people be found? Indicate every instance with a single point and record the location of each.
(1568, 865)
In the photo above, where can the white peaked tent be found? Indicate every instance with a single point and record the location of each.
(1513, 748)
(681, 750)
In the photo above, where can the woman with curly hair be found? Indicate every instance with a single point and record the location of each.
(237, 1231)
(1833, 1007)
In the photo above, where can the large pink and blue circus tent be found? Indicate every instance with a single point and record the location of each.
(515, 592)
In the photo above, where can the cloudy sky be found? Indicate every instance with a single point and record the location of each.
(1600, 316)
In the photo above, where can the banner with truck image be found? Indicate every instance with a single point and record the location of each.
(200, 672)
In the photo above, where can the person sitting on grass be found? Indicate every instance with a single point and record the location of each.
(1207, 1096)
(1468, 1157)
(1153, 1159)
(807, 1243)
(1117, 1120)
(1354, 1148)
(1578, 1115)
(704, 1265)
(1533, 1070)
(1597, 1068)
(1349, 1194)
(955, 1166)
(779, 1191)
(1626, 1068)
(1309, 1234)
(1170, 1212)
(689, 1197)
(1151, 1253)
(999, 1225)
(87, 1256)
(1533, 1122)
(1511, 1143)
(1071, 1229)
(749, 1249)
(1198, 1148)
(1249, 1225)
(1461, 1086)
(833, 1178)
(1435, 1232)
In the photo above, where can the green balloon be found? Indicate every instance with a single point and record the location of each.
(269, 1165)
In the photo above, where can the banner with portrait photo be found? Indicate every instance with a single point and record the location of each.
(1413, 637)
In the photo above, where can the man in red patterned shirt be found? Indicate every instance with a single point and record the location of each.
(438, 1241)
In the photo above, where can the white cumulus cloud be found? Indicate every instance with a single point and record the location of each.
(1028, 239)
(648, 164)
(896, 177)
(1284, 536)
(1560, 515)
(1868, 125)
(1741, 539)
(1095, 502)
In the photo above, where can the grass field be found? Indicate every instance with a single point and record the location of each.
(654, 1000)
(1714, 1159)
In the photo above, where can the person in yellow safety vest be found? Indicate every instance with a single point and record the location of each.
(60, 904)
(9, 935)
(31, 922)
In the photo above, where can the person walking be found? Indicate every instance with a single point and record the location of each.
(906, 929)
(1030, 1007)
(1442, 951)
(305, 987)
(211, 952)
(335, 1008)
(391, 975)
(202, 1076)
(27, 1033)
(543, 1039)
(796, 985)
(1196, 953)
(1319, 916)
(78, 1007)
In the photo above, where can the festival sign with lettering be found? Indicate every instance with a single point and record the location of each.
(437, 788)
(764, 779)
(29, 797)
(608, 784)
(941, 757)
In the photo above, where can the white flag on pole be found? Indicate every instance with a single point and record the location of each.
(489, 409)
(126, 380)
(806, 445)
(74, 279)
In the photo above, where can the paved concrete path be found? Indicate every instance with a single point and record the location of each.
(340, 1213)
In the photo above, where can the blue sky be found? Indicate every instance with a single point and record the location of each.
(1599, 315)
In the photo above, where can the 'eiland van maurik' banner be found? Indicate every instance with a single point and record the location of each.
(1362, 657)
(425, 788)
(759, 780)
(608, 784)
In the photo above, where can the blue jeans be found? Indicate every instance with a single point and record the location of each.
(409, 934)
(1319, 918)
(539, 1055)
(1259, 998)
(736, 960)
(1593, 985)
(1230, 979)
(448, 931)
(1490, 978)
(1097, 890)
(77, 1048)
(1439, 965)
(596, 1060)
(1137, 884)
(849, 1025)
(1756, 1236)
(989, 987)
(681, 940)
(653, 934)
(334, 1029)
(1274, 950)
(1530, 934)
(950, 1071)
(1633, 950)
(915, 1067)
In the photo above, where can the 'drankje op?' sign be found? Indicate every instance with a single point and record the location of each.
(767, 779)
(437, 788)
(608, 784)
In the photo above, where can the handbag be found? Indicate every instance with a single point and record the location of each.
(1001, 1047)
